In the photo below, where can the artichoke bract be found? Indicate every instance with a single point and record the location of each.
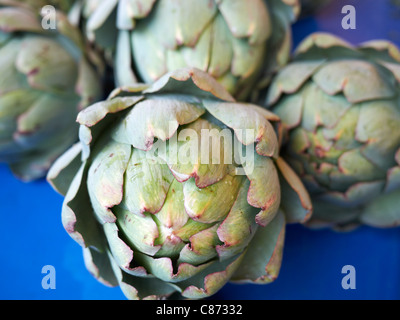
(236, 41)
(160, 206)
(46, 78)
(340, 107)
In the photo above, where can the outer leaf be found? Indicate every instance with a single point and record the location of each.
(200, 79)
(245, 119)
(77, 215)
(264, 191)
(211, 279)
(106, 177)
(296, 202)
(247, 19)
(19, 19)
(359, 80)
(291, 78)
(238, 228)
(155, 118)
(63, 171)
(163, 269)
(99, 266)
(201, 248)
(44, 64)
(383, 211)
(136, 288)
(263, 258)
(140, 232)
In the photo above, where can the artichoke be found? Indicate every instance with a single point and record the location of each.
(236, 41)
(46, 78)
(159, 208)
(340, 109)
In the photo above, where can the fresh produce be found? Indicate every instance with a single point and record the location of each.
(340, 109)
(236, 41)
(160, 205)
(46, 78)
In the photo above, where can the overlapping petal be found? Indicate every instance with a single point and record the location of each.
(235, 41)
(340, 115)
(180, 224)
(46, 78)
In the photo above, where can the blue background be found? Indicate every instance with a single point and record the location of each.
(31, 234)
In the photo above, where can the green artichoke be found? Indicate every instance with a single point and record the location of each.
(46, 78)
(158, 209)
(340, 109)
(236, 41)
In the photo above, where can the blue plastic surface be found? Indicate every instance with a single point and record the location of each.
(31, 234)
